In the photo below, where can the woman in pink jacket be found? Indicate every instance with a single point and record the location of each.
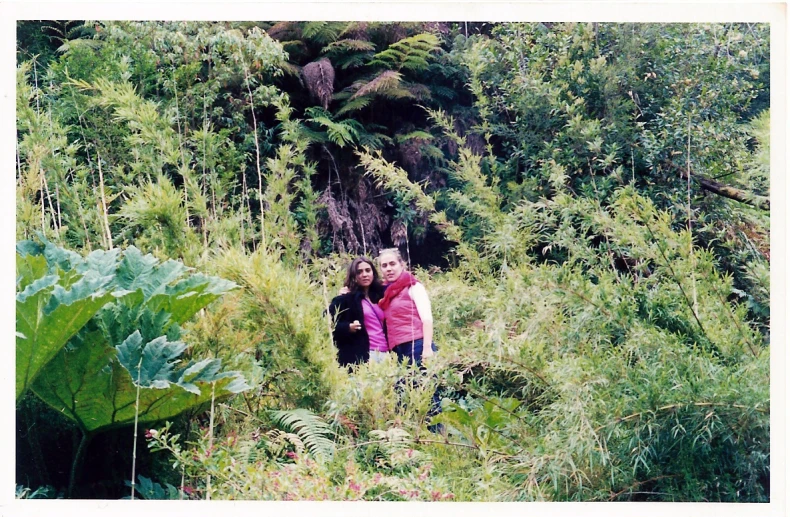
(407, 310)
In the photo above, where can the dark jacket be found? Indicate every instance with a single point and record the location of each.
(352, 347)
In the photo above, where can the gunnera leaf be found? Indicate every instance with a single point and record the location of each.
(88, 383)
(90, 331)
(48, 315)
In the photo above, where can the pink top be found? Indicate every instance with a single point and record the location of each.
(374, 317)
(403, 320)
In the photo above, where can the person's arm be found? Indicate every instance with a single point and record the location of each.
(423, 304)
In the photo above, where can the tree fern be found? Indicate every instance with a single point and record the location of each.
(410, 53)
(385, 81)
(341, 133)
(414, 134)
(349, 53)
(348, 45)
(311, 429)
(323, 32)
(354, 105)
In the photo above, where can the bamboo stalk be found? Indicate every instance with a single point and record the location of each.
(43, 208)
(183, 478)
(57, 201)
(257, 151)
(136, 413)
(249, 220)
(243, 192)
(181, 149)
(51, 207)
(210, 440)
(688, 209)
(104, 205)
(35, 78)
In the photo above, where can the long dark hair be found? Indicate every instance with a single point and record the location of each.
(376, 289)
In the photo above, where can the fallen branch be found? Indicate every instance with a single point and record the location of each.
(727, 191)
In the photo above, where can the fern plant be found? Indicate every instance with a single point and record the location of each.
(411, 54)
(313, 430)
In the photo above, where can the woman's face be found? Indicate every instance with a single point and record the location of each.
(391, 266)
(364, 274)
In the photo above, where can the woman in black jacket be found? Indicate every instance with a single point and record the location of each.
(359, 323)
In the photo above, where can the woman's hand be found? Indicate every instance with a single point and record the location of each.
(354, 326)
(427, 352)
(344, 290)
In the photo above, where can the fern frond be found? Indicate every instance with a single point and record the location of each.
(398, 93)
(414, 134)
(341, 132)
(93, 44)
(353, 105)
(279, 440)
(323, 32)
(357, 29)
(349, 45)
(419, 91)
(386, 80)
(375, 140)
(352, 60)
(311, 429)
(349, 53)
(312, 136)
(443, 91)
(410, 53)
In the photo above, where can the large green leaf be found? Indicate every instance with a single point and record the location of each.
(91, 330)
(95, 384)
(47, 314)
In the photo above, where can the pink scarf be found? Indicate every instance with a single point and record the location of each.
(404, 281)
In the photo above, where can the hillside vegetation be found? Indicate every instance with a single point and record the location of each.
(586, 204)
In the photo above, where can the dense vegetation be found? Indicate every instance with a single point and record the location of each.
(587, 205)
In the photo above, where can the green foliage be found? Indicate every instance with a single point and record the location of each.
(151, 490)
(310, 428)
(123, 342)
(281, 316)
(603, 326)
(52, 304)
(44, 492)
(410, 53)
(340, 133)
